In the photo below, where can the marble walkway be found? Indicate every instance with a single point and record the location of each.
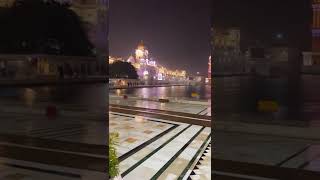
(191, 107)
(265, 156)
(164, 143)
(157, 147)
(202, 167)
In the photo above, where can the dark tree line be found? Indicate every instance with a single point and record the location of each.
(122, 70)
(38, 26)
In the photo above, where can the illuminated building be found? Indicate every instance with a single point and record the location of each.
(142, 53)
(208, 79)
(113, 59)
(209, 68)
(131, 59)
(147, 68)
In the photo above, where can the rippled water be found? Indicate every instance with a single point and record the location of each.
(298, 100)
(88, 95)
(186, 92)
(93, 95)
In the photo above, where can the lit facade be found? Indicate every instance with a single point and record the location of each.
(113, 59)
(142, 53)
(209, 68)
(147, 68)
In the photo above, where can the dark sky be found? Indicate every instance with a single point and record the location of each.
(262, 19)
(176, 32)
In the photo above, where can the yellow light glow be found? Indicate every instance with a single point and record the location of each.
(141, 60)
(137, 65)
(118, 92)
(139, 53)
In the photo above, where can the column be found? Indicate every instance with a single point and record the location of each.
(318, 18)
(314, 19)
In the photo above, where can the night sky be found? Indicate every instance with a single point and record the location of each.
(176, 32)
(263, 19)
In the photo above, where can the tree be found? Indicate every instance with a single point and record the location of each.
(4, 30)
(121, 69)
(38, 26)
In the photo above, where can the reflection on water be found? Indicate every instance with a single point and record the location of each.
(203, 92)
(240, 95)
(94, 95)
(311, 98)
(91, 95)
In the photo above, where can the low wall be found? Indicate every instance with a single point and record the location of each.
(135, 83)
(50, 81)
(171, 99)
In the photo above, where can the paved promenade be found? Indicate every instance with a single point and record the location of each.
(176, 105)
(169, 141)
(35, 147)
(162, 140)
(266, 150)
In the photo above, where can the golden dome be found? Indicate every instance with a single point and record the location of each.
(141, 45)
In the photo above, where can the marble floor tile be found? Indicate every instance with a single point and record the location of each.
(144, 162)
(158, 160)
(136, 135)
(181, 162)
(203, 168)
(172, 106)
(138, 156)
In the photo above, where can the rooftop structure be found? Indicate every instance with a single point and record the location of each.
(147, 67)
